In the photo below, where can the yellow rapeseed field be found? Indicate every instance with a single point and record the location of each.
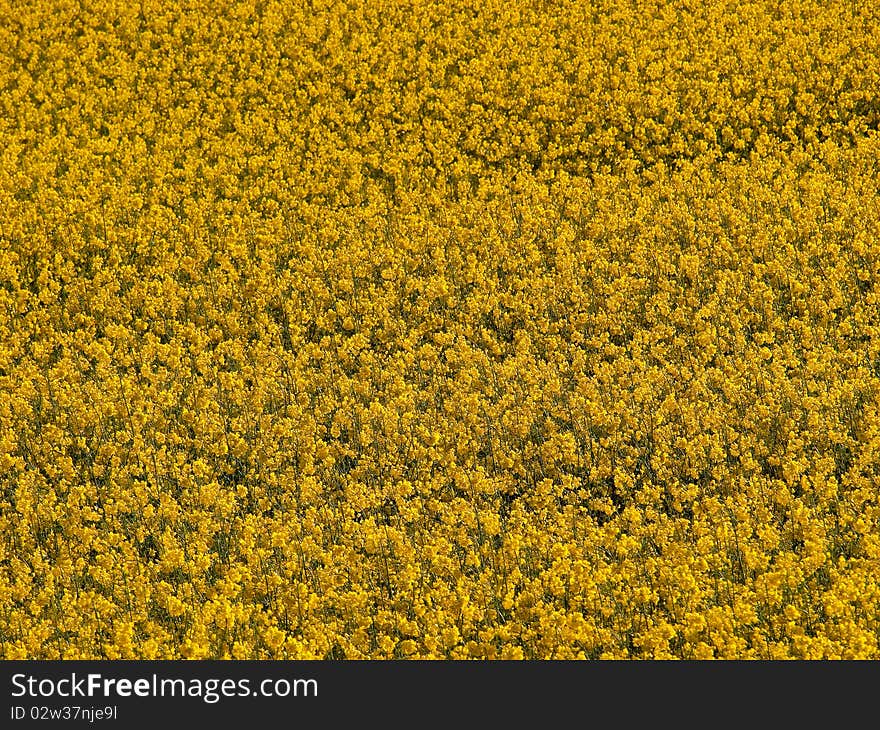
(439, 329)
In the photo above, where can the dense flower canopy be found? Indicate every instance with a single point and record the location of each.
(439, 329)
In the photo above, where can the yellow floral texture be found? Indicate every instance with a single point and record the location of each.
(439, 329)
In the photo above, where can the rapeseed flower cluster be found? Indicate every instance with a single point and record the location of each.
(419, 329)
